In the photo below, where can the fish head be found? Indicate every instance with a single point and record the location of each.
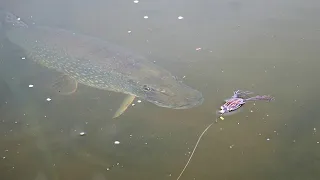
(9, 20)
(165, 90)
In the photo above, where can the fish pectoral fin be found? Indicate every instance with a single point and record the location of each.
(124, 106)
(65, 85)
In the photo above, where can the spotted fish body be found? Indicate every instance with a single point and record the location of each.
(78, 56)
(100, 64)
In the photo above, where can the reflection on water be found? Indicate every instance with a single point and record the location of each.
(268, 47)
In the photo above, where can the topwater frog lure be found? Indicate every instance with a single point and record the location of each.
(231, 105)
(238, 99)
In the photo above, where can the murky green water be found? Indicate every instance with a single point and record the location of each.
(269, 47)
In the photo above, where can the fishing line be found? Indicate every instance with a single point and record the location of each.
(195, 147)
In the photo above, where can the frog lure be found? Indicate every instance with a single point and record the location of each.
(231, 105)
(238, 99)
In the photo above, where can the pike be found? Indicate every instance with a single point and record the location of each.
(96, 63)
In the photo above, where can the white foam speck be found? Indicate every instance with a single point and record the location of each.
(268, 139)
(136, 1)
(132, 104)
(129, 32)
(116, 142)
(180, 17)
(31, 86)
(48, 99)
(146, 17)
(139, 101)
(82, 133)
(23, 58)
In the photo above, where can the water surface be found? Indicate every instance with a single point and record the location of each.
(268, 47)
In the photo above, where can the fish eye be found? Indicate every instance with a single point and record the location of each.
(146, 88)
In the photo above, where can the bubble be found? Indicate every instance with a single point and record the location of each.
(82, 133)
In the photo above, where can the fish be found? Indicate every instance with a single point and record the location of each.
(100, 64)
